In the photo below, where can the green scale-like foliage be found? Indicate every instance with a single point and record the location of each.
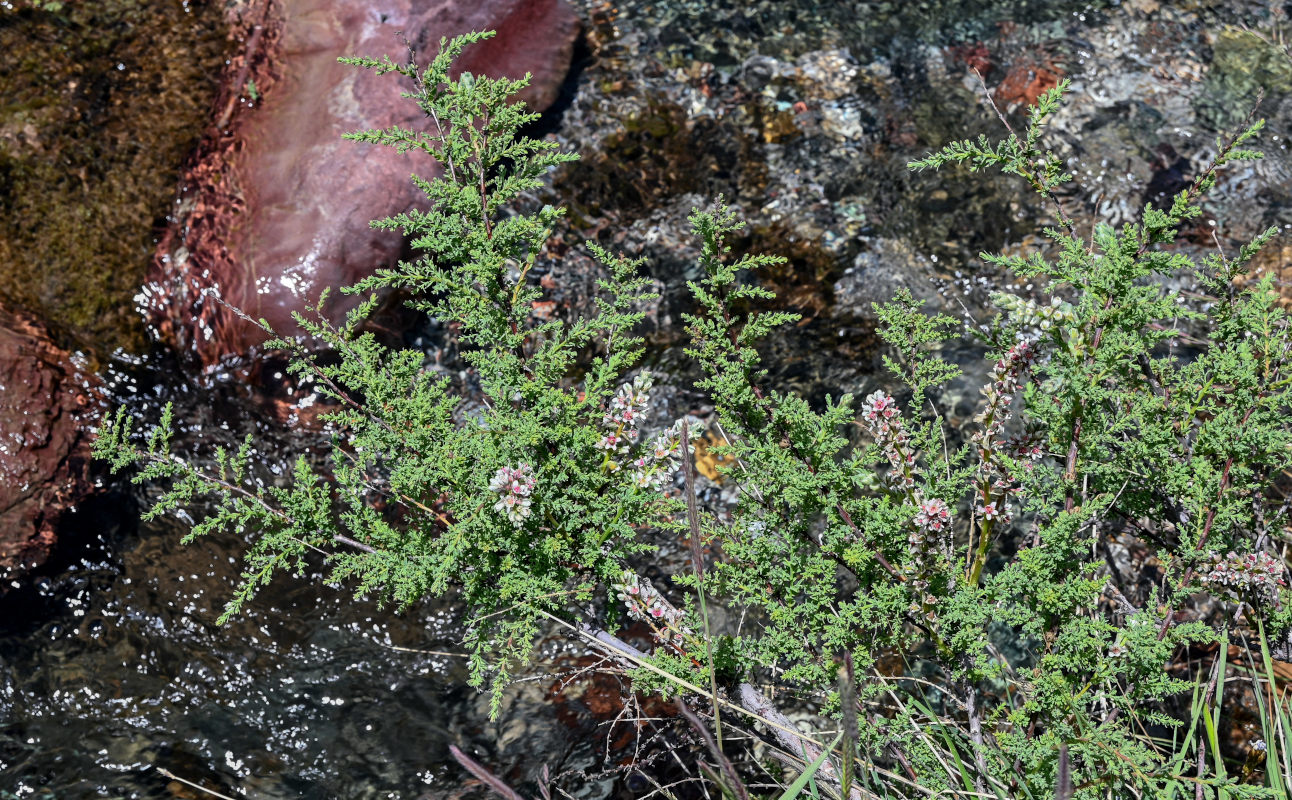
(963, 576)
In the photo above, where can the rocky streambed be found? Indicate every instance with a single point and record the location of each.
(152, 150)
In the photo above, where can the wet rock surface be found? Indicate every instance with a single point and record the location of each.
(279, 204)
(46, 400)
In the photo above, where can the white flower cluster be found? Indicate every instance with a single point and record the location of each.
(932, 527)
(1254, 576)
(884, 419)
(660, 459)
(627, 409)
(645, 603)
(1006, 379)
(655, 463)
(513, 485)
(1025, 447)
(933, 516)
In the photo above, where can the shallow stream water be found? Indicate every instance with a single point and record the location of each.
(113, 672)
(116, 682)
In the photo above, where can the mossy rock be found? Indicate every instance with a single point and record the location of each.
(1242, 65)
(100, 103)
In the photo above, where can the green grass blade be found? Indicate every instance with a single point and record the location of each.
(1273, 772)
(801, 782)
(1182, 751)
(1285, 733)
(937, 723)
(1220, 680)
(955, 754)
(1217, 762)
(1212, 720)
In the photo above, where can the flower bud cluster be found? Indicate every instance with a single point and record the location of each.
(1033, 317)
(930, 535)
(932, 522)
(932, 518)
(994, 481)
(654, 463)
(1254, 576)
(645, 603)
(1024, 447)
(627, 409)
(884, 420)
(513, 485)
(931, 530)
(1006, 378)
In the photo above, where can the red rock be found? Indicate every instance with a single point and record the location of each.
(45, 401)
(1026, 81)
(278, 205)
(974, 55)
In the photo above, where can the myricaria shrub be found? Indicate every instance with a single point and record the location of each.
(954, 591)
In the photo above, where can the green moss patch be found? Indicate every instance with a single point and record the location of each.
(100, 103)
